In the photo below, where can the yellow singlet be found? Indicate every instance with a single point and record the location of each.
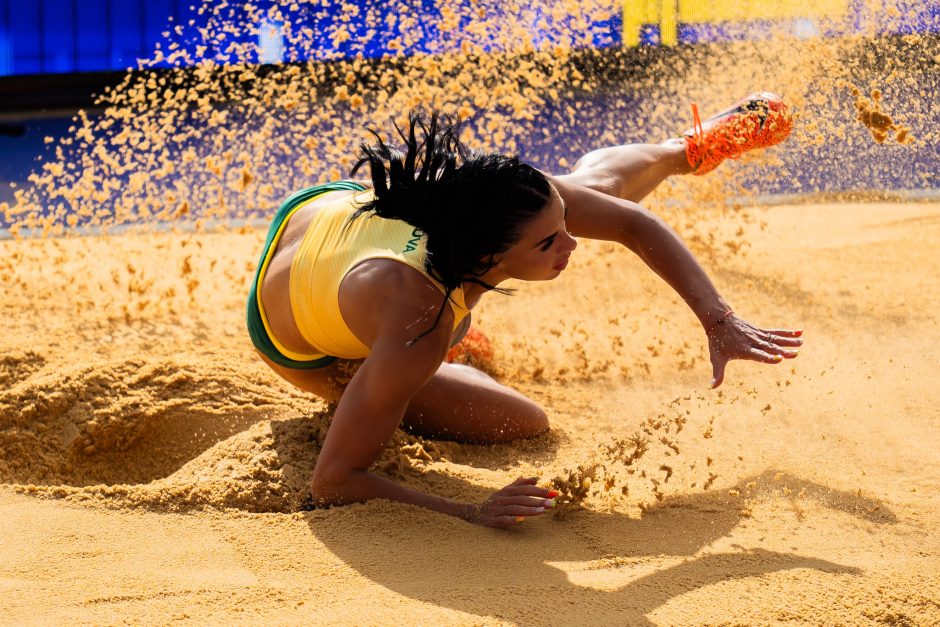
(329, 251)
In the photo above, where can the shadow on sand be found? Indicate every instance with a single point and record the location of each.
(594, 568)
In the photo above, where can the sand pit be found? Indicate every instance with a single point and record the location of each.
(153, 469)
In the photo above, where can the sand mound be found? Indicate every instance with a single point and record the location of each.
(264, 468)
(170, 434)
(127, 421)
(17, 366)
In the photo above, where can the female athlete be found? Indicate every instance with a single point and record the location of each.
(384, 276)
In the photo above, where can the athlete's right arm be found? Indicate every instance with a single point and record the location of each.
(374, 403)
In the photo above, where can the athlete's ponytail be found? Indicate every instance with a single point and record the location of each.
(406, 183)
(472, 206)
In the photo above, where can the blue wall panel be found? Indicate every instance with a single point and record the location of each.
(93, 29)
(61, 36)
(25, 45)
(57, 37)
(126, 40)
(6, 64)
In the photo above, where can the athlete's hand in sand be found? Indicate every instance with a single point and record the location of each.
(734, 338)
(514, 503)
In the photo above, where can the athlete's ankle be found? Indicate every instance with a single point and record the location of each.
(674, 159)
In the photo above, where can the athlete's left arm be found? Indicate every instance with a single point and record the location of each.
(596, 215)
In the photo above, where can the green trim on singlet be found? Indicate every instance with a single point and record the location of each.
(256, 329)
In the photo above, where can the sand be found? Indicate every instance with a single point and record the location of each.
(153, 469)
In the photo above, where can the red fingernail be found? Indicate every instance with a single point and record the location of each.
(552, 494)
(799, 331)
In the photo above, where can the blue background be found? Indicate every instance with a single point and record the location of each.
(64, 36)
(57, 37)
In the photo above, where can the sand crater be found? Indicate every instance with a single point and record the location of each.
(169, 434)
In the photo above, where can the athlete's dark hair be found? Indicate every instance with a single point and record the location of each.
(472, 206)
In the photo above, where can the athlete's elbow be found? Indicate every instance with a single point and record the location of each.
(635, 223)
(643, 229)
(332, 485)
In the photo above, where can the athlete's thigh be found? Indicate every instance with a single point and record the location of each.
(462, 403)
(458, 403)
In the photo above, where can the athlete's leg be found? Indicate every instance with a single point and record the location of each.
(631, 171)
(461, 403)
(328, 383)
(458, 403)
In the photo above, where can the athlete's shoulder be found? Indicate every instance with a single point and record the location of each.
(397, 281)
(397, 296)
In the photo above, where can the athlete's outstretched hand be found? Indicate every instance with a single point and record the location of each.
(734, 338)
(511, 505)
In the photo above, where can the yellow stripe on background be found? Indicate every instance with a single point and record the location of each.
(704, 11)
(670, 13)
(668, 23)
(636, 13)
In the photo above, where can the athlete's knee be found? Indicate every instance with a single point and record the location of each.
(540, 424)
(532, 422)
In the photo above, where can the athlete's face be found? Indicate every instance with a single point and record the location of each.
(542, 252)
